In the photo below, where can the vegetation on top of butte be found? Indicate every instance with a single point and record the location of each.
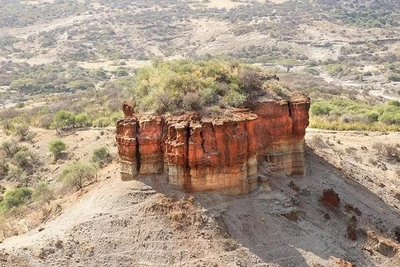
(199, 85)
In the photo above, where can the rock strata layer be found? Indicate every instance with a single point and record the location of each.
(215, 153)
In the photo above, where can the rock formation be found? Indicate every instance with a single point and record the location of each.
(330, 198)
(215, 153)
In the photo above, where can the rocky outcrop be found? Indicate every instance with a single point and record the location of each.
(215, 153)
(330, 198)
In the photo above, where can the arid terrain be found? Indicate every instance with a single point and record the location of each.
(65, 69)
(282, 223)
(346, 42)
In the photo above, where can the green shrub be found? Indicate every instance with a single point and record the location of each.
(186, 85)
(388, 151)
(320, 108)
(16, 197)
(7, 125)
(313, 71)
(101, 156)
(25, 85)
(22, 131)
(390, 117)
(102, 122)
(63, 119)
(191, 101)
(278, 89)
(80, 85)
(23, 159)
(82, 120)
(16, 173)
(373, 116)
(335, 69)
(4, 167)
(120, 72)
(351, 114)
(56, 147)
(393, 77)
(10, 148)
(234, 98)
(29, 137)
(394, 103)
(78, 174)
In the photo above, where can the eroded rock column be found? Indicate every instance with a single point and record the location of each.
(149, 137)
(176, 154)
(127, 147)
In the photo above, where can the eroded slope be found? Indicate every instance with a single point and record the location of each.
(282, 223)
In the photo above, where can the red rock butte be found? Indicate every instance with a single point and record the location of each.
(220, 153)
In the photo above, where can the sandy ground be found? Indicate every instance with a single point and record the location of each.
(111, 65)
(277, 1)
(354, 153)
(232, 4)
(146, 223)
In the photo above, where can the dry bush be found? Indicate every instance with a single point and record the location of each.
(45, 121)
(388, 151)
(7, 229)
(43, 193)
(373, 161)
(182, 213)
(351, 150)
(3, 166)
(250, 80)
(9, 113)
(398, 173)
(317, 142)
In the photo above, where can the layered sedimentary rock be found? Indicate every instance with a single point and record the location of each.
(215, 153)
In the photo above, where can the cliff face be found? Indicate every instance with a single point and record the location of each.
(222, 153)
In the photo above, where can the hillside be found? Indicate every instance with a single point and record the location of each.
(330, 50)
(351, 43)
(66, 67)
(282, 223)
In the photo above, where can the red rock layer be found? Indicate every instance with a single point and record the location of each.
(149, 137)
(127, 147)
(216, 153)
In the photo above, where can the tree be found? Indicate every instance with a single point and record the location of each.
(63, 119)
(289, 64)
(56, 147)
